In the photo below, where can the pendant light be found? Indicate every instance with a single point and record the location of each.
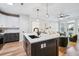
(37, 14)
(22, 3)
(47, 15)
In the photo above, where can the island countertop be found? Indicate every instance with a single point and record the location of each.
(42, 37)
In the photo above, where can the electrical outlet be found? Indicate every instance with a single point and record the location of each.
(42, 46)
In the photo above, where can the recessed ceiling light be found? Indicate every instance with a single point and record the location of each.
(10, 3)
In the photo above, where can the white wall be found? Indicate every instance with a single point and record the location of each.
(54, 26)
(24, 25)
(47, 23)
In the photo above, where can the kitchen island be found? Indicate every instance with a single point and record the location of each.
(45, 45)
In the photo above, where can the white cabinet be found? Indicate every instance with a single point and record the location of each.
(8, 21)
(2, 20)
(9, 24)
(12, 22)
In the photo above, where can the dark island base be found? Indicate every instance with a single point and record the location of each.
(51, 49)
(35, 49)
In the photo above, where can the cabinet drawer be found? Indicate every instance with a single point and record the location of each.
(10, 37)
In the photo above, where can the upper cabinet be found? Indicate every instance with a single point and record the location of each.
(9, 22)
(2, 20)
(12, 22)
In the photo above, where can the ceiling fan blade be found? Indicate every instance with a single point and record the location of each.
(63, 16)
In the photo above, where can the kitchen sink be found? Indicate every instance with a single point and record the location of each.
(33, 36)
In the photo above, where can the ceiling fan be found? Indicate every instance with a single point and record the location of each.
(62, 15)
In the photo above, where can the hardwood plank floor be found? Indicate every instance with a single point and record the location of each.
(13, 49)
(16, 49)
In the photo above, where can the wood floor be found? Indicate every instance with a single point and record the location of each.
(12, 49)
(16, 49)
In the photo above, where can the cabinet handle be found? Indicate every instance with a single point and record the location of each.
(43, 45)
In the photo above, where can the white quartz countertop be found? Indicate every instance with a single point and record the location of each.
(43, 37)
(2, 33)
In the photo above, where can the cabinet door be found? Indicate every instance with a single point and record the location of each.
(36, 49)
(10, 37)
(51, 48)
(12, 22)
(27, 46)
(1, 40)
(6, 38)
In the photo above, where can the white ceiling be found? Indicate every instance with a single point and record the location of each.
(54, 9)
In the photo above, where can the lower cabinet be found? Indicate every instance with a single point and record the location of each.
(27, 46)
(44, 48)
(11, 37)
(1, 42)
